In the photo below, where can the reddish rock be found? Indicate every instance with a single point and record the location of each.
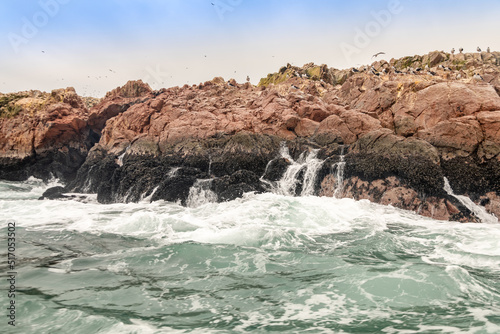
(493, 204)
(334, 127)
(443, 101)
(401, 197)
(490, 125)
(306, 128)
(359, 123)
(459, 136)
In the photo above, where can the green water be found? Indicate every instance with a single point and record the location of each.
(261, 264)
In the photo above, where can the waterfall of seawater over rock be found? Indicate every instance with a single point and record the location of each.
(121, 156)
(309, 164)
(339, 175)
(477, 210)
(303, 172)
(200, 194)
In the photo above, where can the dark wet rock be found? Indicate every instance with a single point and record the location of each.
(417, 172)
(54, 193)
(175, 189)
(233, 186)
(472, 177)
(276, 168)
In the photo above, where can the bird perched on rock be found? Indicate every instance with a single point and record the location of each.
(477, 77)
(354, 70)
(230, 83)
(453, 51)
(488, 49)
(461, 50)
(293, 86)
(478, 49)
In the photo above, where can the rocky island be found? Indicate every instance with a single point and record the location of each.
(419, 133)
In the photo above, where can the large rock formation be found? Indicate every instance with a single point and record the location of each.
(43, 134)
(402, 125)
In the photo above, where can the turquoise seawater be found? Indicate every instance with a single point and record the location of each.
(261, 264)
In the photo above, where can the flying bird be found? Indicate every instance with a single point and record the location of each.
(378, 54)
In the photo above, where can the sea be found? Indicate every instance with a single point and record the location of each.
(264, 263)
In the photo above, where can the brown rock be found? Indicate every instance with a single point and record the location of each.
(384, 142)
(131, 89)
(459, 136)
(443, 101)
(490, 125)
(334, 127)
(488, 150)
(359, 123)
(401, 197)
(493, 206)
(306, 128)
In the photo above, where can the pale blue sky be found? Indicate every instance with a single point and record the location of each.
(96, 46)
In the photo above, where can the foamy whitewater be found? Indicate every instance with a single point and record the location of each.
(264, 263)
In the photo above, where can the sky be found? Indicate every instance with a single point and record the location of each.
(96, 46)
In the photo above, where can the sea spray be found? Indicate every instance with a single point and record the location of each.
(200, 194)
(308, 164)
(339, 175)
(313, 164)
(122, 156)
(479, 211)
(255, 264)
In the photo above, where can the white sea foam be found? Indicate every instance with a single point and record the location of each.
(254, 263)
(479, 211)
